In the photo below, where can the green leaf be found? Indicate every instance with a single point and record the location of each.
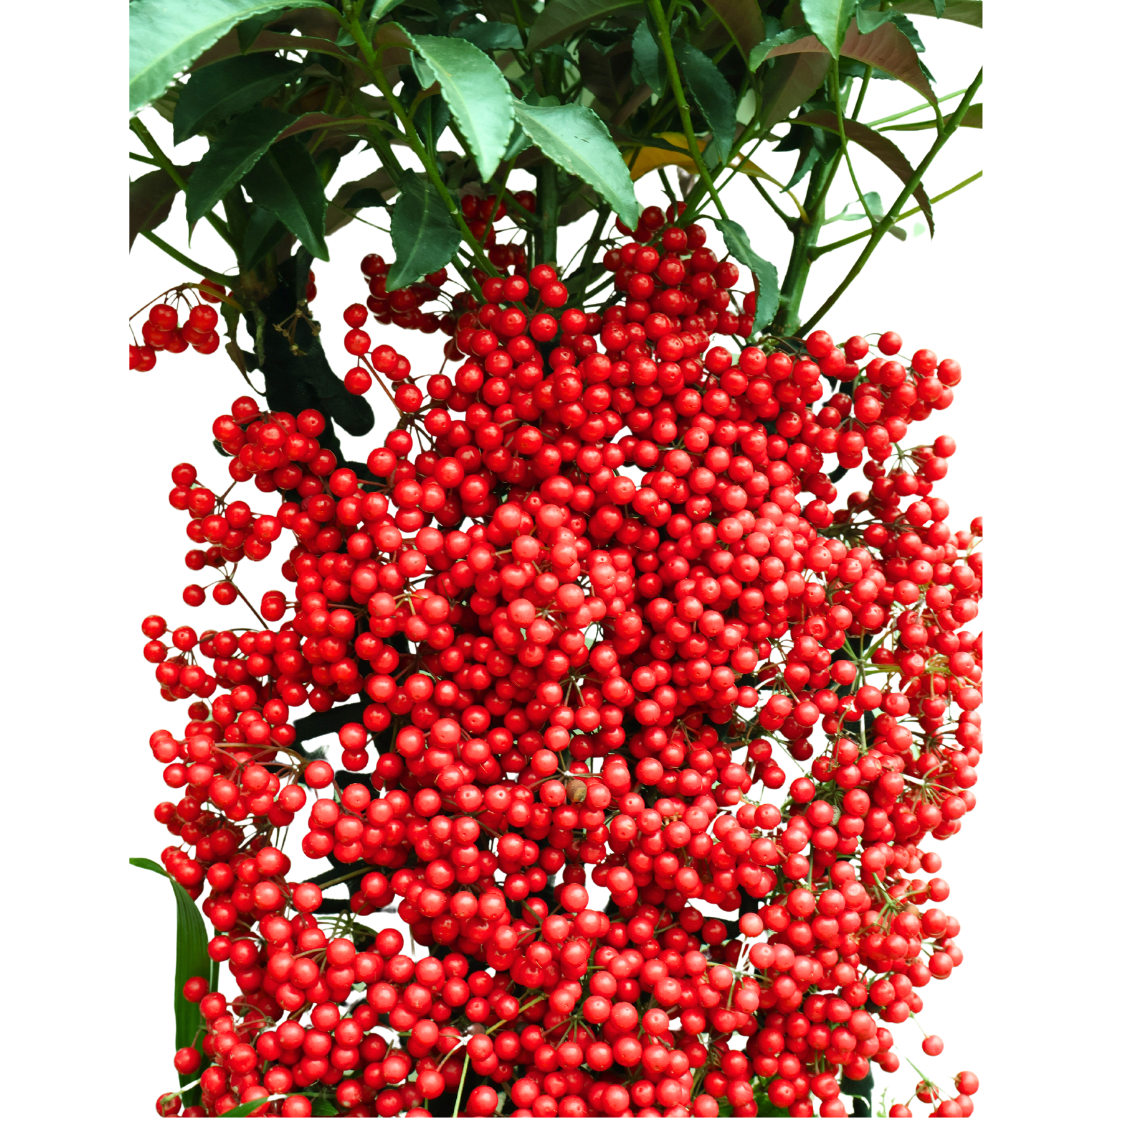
(886, 49)
(380, 8)
(813, 146)
(743, 19)
(243, 1110)
(423, 233)
(191, 959)
(973, 117)
(767, 1109)
(560, 19)
(712, 95)
(375, 189)
(476, 92)
(906, 26)
(869, 20)
(648, 58)
(602, 75)
(575, 139)
(969, 12)
(518, 143)
(332, 125)
(790, 82)
(231, 156)
(248, 30)
(166, 36)
(828, 20)
(851, 212)
(262, 232)
(739, 246)
(151, 197)
(880, 147)
(226, 88)
(492, 36)
(762, 50)
(432, 118)
(285, 182)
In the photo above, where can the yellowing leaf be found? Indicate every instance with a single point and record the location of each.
(650, 157)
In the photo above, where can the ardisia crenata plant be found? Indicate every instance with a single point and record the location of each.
(639, 733)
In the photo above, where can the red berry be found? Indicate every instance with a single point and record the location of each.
(889, 343)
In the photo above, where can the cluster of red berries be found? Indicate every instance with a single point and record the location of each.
(480, 215)
(557, 725)
(404, 307)
(161, 332)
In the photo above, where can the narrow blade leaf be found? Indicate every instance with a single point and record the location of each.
(230, 157)
(262, 232)
(191, 958)
(790, 82)
(648, 58)
(227, 88)
(492, 36)
(743, 19)
(423, 233)
(375, 189)
(559, 19)
(828, 20)
(151, 197)
(244, 1109)
(166, 36)
(869, 21)
(761, 51)
(380, 8)
(739, 246)
(476, 92)
(969, 12)
(712, 95)
(887, 49)
(574, 138)
(248, 30)
(880, 147)
(433, 117)
(285, 182)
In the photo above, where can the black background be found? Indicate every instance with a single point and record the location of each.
(934, 295)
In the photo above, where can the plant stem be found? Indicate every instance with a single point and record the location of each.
(519, 19)
(547, 210)
(839, 113)
(183, 259)
(375, 69)
(662, 26)
(913, 110)
(340, 880)
(908, 213)
(862, 93)
(594, 243)
(364, 220)
(787, 220)
(805, 234)
(890, 218)
(461, 1084)
(160, 158)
